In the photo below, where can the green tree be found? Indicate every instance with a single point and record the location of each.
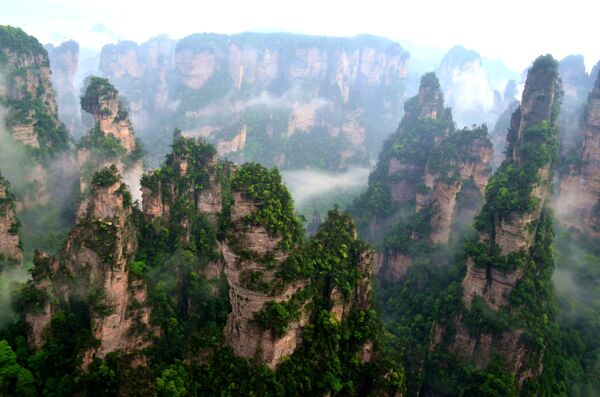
(14, 379)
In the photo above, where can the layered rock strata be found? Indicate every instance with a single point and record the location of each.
(112, 140)
(428, 167)
(93, 267)
(275, 90)
(511, 235)
(64, 62)
(10, 243)
(577, 202)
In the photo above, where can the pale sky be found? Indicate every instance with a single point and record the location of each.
(517, 31)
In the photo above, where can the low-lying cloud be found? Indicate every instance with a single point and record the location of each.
(308, 184)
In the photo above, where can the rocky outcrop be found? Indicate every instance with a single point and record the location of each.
(245, 335)
(112, 140)
(499, 134)
(262, 238)
(29, 85)
(576, 85)
(427, 166)
(287, 88)
(64, 61)
(93, 267)
(508, 238)
(577, 202)
(273, 299)
(102, 101)
(141, 72)
(253, 256)
(472, 165)
(32, 121)
(10, 243)
(193, 165)
(402, 170)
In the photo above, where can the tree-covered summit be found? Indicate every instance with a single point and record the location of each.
(16, 41)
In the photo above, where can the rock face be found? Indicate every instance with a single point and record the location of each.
(258, 293)
(499, 134)
(194, 185)
(245, 335)
(111, 141)
(577, 202)
(64, 61)
(31, 84)
(141, 72)
(192, 194)
(93, 266)
(427, 167)
(497, 260)
(32, 119)
(102, 101)
(576, 85)
(10, 243)
(281, 90)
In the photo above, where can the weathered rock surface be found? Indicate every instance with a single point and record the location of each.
(27, 95)
(282, 85)
(510, 234)
(244, 334)
(64, 61)
(10, 243)
(31, 83)
(95, 259)
(111, 122)
(576, 84)
(206, 200)
(428, 166)
(577, 201)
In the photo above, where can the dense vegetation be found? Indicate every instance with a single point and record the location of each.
(175, 253)
(188, 354)
(23, 58)
(98, 147)
(275, 206)
(411, 146)
(98, 91)
(16, 40)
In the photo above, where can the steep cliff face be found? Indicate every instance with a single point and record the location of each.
(511, 253)
(250, 290)
(92, 274)
(277, 287)
(141, 72)
(111, 141)
(271, 293)
(499, 134)
(35, 134)
(577, 203)
(184, 188)
(10, 243)
(27, 90)
(576, 86)
(214, 270)
(239, 226)
(254, 253)
(283, 91)
(425, 167)
(64, 61)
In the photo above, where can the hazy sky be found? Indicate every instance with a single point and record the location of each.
(513, 30)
